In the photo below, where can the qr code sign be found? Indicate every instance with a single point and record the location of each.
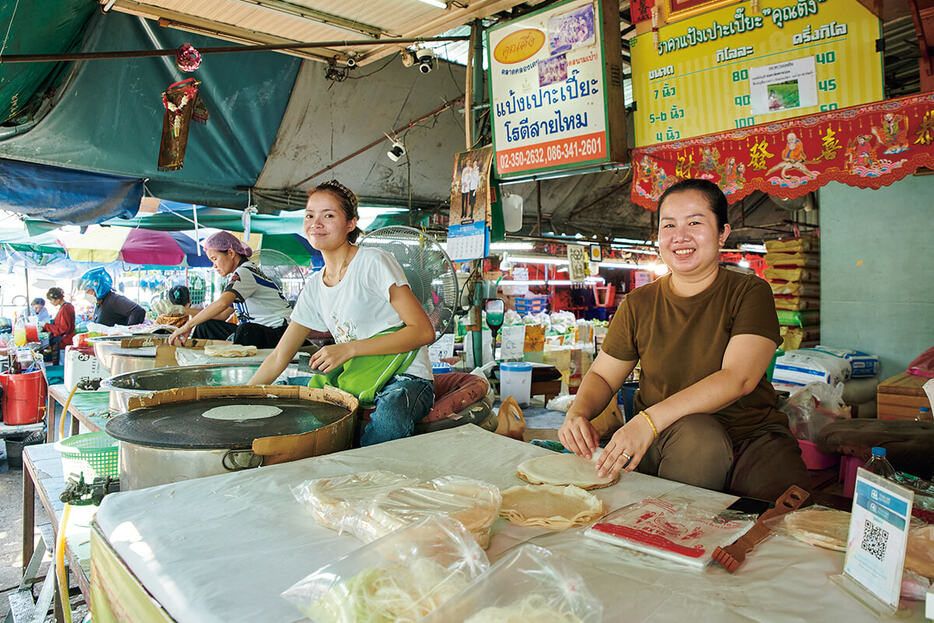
(875, 539)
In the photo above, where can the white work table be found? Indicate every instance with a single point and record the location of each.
(222, 549)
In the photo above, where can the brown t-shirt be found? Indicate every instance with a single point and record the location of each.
(681, 340)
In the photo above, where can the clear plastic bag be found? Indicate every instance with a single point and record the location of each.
(339, 503)
(814, 406)
(671, 530)
(528, 584)
(373, 504)
(398, 578)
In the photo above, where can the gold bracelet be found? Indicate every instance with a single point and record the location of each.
(651, 423)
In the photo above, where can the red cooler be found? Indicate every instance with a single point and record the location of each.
(24, 397)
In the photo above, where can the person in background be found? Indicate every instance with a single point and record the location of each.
(262, 311)
(706, 413)
(62, 331)
(39, 311)
(363, 298)
(111, 308)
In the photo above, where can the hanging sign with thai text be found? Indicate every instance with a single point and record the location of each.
(733, 68)
(867, 146)
(556, 89)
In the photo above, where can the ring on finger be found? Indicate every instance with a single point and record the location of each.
(627, 457)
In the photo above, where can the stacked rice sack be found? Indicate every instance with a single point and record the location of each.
(794, 275)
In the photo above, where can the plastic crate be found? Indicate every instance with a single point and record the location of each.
(92, 454)
(531, 305)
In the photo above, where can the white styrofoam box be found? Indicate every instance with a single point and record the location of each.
(80, 365)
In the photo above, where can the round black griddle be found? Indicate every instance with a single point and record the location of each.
(181, 424)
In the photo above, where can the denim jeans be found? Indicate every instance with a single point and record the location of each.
(402, 402)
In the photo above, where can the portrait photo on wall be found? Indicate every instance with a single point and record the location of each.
(571, 30)
(470, 186)
(554, 69)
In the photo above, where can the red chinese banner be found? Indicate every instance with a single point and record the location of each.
(866, 146)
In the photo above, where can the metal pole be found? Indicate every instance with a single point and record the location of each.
(227, 49)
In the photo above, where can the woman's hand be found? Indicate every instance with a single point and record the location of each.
(179, 336)
(578, 436)
(626, 448)
(329, 358)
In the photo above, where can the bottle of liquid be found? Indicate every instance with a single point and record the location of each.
(924, 414)
(880, 465)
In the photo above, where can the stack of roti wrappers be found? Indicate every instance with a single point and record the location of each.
(373, 504)
(557, 496)
(829, 528)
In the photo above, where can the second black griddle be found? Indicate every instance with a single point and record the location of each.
(181, 425)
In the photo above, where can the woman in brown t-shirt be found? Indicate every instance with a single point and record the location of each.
(705, 337)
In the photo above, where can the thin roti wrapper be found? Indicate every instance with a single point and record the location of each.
(473, 503)
(550, 506)
(340, 503)
(229, 350)
(563, 469)
(823, 527)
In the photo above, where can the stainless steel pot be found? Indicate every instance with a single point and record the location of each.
(105, 345)
(143, 466)
(122, 387)
(168, 438)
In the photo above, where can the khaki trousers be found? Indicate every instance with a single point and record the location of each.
(696, 450)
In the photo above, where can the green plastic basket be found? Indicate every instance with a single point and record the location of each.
(91, 454)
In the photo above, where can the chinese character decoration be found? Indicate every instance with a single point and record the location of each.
(187, 58)
(683, 168)
(182, 104)
(830, 145)
(925, 134)
(758, 154)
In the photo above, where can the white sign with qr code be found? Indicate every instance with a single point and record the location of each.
(875, 548)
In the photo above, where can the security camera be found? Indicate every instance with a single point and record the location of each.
(351, 62)
(396, 151)
(425, 59)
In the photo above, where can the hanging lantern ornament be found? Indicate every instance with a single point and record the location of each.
(187, 58)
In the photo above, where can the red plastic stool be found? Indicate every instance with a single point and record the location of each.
(848, 466)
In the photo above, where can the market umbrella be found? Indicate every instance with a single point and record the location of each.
(133, 246)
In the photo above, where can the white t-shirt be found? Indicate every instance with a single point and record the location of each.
(358, 307)
(258, 299)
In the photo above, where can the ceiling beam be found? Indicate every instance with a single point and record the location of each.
(202, 26)
(314, 15)
(478, 9)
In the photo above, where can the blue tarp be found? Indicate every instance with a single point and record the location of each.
(66, 196)
(110, 118)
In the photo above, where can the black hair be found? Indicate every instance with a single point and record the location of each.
(179, 295)
(38, 301)
(55, 293)
(347, 200)
(716, 200)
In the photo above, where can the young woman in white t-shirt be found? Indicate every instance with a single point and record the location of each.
(362, 297)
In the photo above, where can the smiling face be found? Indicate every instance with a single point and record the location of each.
(225, 262)
(326, 225)
(688, 238)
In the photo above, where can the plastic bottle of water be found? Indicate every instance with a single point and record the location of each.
(880, 465)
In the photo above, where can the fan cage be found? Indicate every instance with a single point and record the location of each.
(427, 267)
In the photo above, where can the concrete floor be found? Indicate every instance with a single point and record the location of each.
(11, 532)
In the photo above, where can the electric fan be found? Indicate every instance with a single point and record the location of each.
(282, 270)
(427, 267)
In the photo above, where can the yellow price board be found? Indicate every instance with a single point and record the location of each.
(730, 68)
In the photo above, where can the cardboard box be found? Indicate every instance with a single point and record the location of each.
(901, 396)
